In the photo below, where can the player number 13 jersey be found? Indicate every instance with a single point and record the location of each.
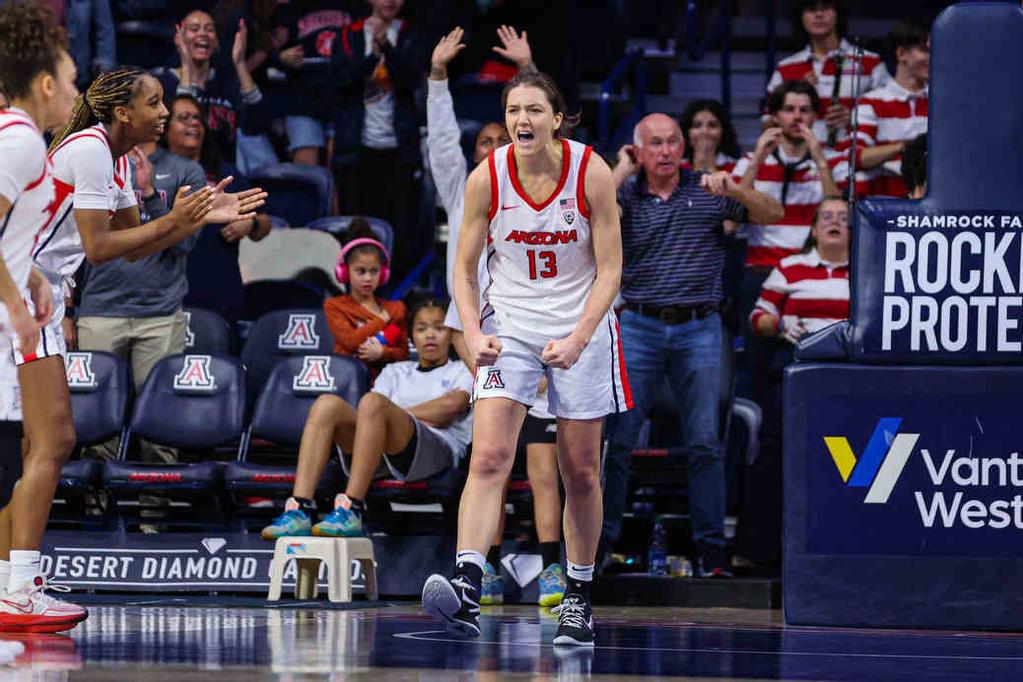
(539, 256)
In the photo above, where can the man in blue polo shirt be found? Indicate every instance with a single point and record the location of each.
(673, 244)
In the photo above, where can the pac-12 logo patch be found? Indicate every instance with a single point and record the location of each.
(568, 210)
(315, 375)
(300, 334)
(493, 379)
(195, 375)
(79, 371)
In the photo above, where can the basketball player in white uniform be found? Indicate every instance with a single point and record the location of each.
(545, 209)
(38, 76)
(93, 214)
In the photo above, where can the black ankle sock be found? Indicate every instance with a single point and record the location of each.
(494, 557)
(472, 572)
(580, 587)
(551, 553)
(306, 505)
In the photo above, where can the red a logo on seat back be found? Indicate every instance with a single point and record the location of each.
(79, 371)
(195, 375)
(300, 334)
(315, 375)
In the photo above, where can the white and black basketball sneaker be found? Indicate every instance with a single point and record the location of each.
(575, 622)
(455, 602)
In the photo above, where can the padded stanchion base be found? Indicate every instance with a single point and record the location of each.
(903, 496)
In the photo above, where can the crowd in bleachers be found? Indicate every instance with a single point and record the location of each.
(337, 108)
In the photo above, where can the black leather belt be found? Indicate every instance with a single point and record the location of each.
(673, 314)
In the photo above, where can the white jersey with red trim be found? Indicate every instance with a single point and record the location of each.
(86, 176)
(26, 182)
(539, 255)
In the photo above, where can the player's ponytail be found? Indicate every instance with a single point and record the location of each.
(110, 90)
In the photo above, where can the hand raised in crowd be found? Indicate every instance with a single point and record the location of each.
(812, 143)
(767, 143)
(483, 349)
(514, 48)
(720, 184)
(143, 171)
(228, 207)
(562, 353)
(292, 57)
(627, 159)
(371, 350)
(837, 117)
(447, 49)
(241, 43)
(378, 31)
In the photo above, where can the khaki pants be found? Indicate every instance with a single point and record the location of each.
(141, 342)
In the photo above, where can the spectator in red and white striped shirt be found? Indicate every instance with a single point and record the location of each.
(806, 292)
(810, 290)
(828, 57)
(897, 111)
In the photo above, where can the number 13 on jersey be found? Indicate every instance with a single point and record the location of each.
(548, 264)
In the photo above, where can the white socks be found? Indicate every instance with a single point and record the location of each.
(469, 556)
(580, 572)
(24, 567)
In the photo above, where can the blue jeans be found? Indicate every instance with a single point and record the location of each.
(690, 354)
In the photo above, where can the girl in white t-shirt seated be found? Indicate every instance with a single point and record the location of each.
(415, 423)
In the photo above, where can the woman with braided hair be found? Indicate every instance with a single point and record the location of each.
(93, 214)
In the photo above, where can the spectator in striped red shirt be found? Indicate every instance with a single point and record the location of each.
(897, 111)
(805, 293)
(827, 62)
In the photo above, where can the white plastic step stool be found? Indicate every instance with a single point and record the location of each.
(336, 553)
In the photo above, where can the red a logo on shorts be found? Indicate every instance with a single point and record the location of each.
(315, 375)
(493, 379)
(301, 333)
(79, 371)
(195, 375)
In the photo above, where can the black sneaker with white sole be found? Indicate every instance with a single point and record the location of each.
(575, 622)
(455, 603)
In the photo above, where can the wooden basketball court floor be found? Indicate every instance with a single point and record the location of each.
(180, 638)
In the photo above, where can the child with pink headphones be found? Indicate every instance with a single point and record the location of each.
(364, 325)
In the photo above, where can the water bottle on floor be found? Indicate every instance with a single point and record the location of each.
(657, 555)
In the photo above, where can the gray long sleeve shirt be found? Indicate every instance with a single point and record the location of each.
(155, 285)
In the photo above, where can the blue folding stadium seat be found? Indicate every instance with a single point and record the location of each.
(337, 224)
(100, 385)
(267, 295)
(281, 334)
(195, 402)
(207, 332)
(299, 193)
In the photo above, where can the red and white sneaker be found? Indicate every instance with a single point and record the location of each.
(30, 609)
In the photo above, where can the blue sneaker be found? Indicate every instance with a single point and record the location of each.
(493, 586)
(293, 521)
(552, 585)
(343, 522)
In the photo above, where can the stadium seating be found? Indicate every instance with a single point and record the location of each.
(280, 334)
(279, 417)
(100, 385)
(208, 332)
(336, 225)
(298, 193)
(193, 402)
(145, 43)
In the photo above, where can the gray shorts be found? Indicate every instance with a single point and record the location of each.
(426, 455)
